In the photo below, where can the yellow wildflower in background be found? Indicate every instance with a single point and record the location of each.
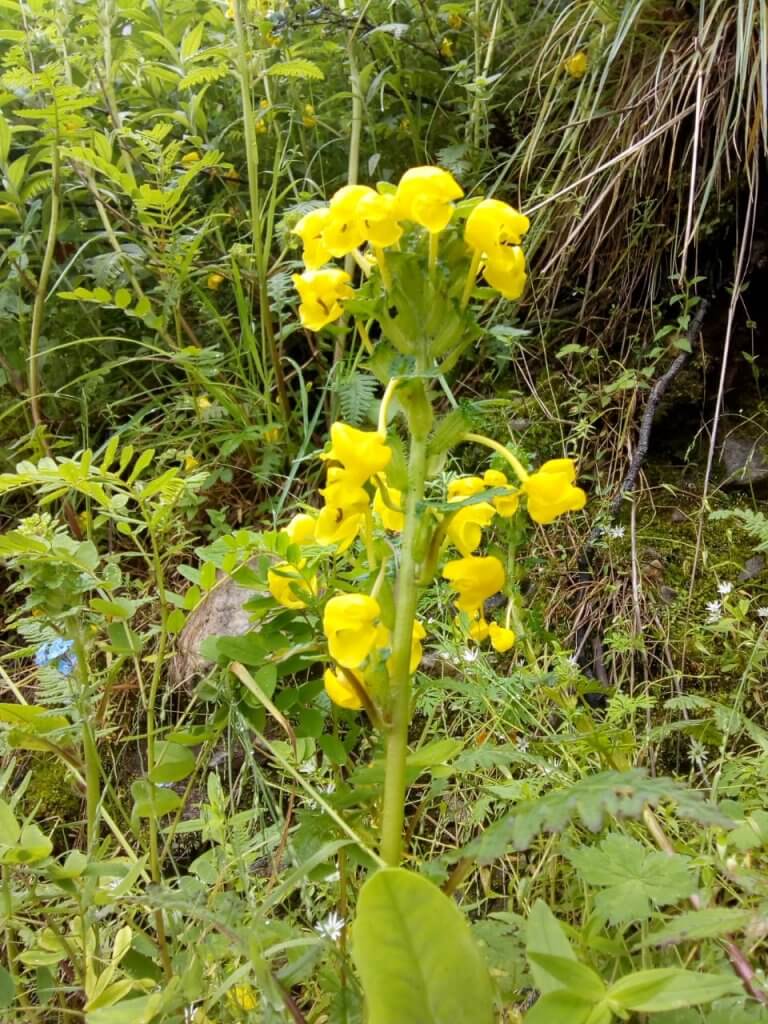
(577, 65)
(502, 638)
(340, 689)
(191, 158)
(322, 293)
(351, 625)
(215, 281)
(425, 195)
(478, 631)
(308, 118)
(464, 487)
(417, 650)
(493, 225)
(475, 579)
(446, 47)
(286, 584)
(243, 997)
(551, 491)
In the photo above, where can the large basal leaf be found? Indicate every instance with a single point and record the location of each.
(416, 956)
(614, 794)
(670, 988)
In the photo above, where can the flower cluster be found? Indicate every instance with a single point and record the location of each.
(357, 216)
(550, 492)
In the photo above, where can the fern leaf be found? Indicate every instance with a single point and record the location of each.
(204, 76)
(298, 68)
(356, 394)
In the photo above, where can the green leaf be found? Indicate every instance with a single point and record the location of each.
(10, 830)
(546, 936)
(417, 959)
(149, 801)
(694, 925)
(173, 762)
(31, 846)
(7, 989)
(560, 1007)
(122, 298)
(632, 878)
(619, 794)
(670, 988)
(570, 974)
(33, 718)
(298, 68)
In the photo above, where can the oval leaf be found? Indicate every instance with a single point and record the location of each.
(416, 956)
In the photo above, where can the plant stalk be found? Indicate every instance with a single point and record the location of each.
(393, 812)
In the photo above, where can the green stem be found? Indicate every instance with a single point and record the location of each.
(393, 812)
(11, 950)
(257, 240)
(505, 453)
(38, 310)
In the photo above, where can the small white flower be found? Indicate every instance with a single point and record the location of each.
(724, 588)
(616, 532)
(332, 927)
(307, 767)
(714, 610)
(762, 613)
(333, 877)
(470, 654)
(330, 788)
(522, 744)
(572, 660)
(127, 30)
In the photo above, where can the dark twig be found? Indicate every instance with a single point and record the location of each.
(646, 425)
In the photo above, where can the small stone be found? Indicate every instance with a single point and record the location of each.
(752, 567)
(667, 594)
(678, 516)
(220, 613)
(744, 455)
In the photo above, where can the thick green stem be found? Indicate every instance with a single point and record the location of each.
(400, 674)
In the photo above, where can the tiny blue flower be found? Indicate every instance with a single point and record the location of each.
(56, 651)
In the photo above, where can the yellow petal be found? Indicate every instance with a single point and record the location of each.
(465, 527)
(350, 624)
(391, 519)
(494, 225)
(475, 579)
(288, 587)
(301, 529)
(502, 639)
(341, 691)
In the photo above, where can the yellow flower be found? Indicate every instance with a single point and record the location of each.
(379, 215)
(446, 47)
(272, 434)
(391, 519)
(361, 452)
(286, 583)
(478, 631)
(455, 21)
(551, 491)
(465, 527)
(260, 127)
(322, 293)
(190, 462)
(308, 118)
(425, 195)
(506, 273)
(243, 997)
(338, 526)
(474, 579)
(230, 11)
(577, 65)
(350, 623)
(493, 225)
(202, 403)
(345, 228)
(340, 689)
(215, 281)
(505, 504)
(464, 487)
(501, 637)
(190, 158)
(416, 649)
(271, 39)
(310, 231)
(344, 490)
(265, 104)
(301, 529)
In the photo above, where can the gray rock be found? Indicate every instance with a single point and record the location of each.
(744, 455)
(220, 613)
